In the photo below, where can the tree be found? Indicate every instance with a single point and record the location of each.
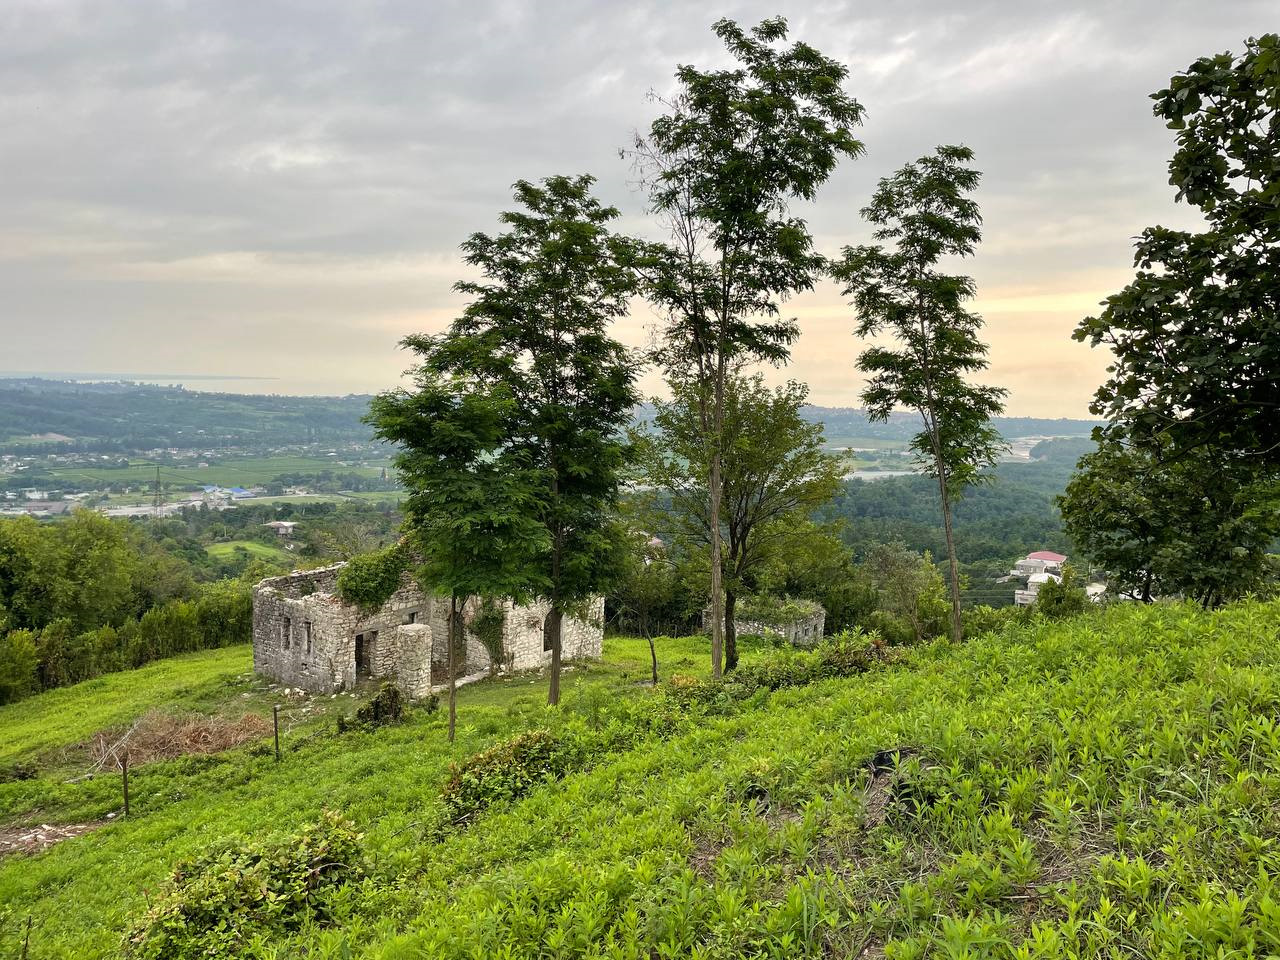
(1195, 336)
(925, 211)
(646, 588)
(538, 326)
(1058, 599)
(471, 511)
(734, 148)
(1182, 524)
(909, 586)
(18, 665)
(811, 561)
(774, 472)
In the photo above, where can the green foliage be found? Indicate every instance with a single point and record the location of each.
(722, 187)
(18, 665)
(1165, 524)
(811, 561)
(218, 904)
(912, 605)
(1059, 599)
(840, 655)
(386, 707)
(487, 624)
(506, 772)
(1194, 339)
(369, 580)
(538, 326)
(925, 211)
(774, 472)
(775, 611)
(221, 615)
(1092, 788)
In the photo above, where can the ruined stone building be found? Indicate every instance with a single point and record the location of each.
(305, 636)
(800, 623)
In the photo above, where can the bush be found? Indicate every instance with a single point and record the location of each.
(507, 771)
(212, 906)
(18, 664)
(842, 655)
(368, 581)
(1057, 600)
(983, 619)
(385, 707)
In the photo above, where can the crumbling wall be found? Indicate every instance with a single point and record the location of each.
(522, 638)
(304, 606)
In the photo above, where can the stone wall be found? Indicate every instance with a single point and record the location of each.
(305, 636)
(522, 639)
(801, 632)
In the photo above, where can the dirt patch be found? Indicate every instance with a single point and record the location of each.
(35, 839)
(166, 736)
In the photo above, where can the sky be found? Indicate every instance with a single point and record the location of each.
(250, 188)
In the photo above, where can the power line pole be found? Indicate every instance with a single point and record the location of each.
(157, 501)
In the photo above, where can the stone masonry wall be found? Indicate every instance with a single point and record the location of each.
(305, 636)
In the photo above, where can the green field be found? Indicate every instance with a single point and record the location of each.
(264, 551)
(1104, 787)
(241, 472)
(66, 715)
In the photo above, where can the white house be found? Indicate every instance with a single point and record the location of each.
(1041, 561)
(1039, 568)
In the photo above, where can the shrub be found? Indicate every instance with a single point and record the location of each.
(1057, 600)
(841, 655)
(507, 771)
(224, 613)
(368, 581)
(213, 905)
(18, 664)
(385, 707)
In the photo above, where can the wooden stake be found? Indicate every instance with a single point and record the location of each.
(124, 780)
(275, 719)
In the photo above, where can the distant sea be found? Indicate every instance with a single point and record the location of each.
(209, 382)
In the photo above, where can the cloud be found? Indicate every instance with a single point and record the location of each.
(266, 187)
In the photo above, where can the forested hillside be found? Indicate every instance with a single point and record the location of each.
(116, 416)
(98, 417)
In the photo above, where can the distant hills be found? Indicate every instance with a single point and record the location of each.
(36, 414)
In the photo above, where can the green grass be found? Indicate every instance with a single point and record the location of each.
(67, 715)
(265, 551)
(1105, 787)
(242, 471)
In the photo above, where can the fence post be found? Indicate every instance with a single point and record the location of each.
(275, 720)
(124, 780)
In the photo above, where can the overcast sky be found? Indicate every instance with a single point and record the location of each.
(279, 189)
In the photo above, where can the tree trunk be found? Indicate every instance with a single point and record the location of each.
(551, 639)
(957, 628)
(455, 624)
(730, 631)
(713, 516)
(647, 628)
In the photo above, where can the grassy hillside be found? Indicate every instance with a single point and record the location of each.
(1103, 787)
(64, 716)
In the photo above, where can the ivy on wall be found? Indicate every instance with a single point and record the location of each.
(368, 581)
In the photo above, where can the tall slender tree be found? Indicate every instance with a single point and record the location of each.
(733, 149)
(925, 211)
(538, 325)
(471, 511)
(775, 472)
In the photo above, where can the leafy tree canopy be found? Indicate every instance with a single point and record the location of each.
(1196, 334)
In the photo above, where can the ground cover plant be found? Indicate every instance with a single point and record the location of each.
(1103, 786)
